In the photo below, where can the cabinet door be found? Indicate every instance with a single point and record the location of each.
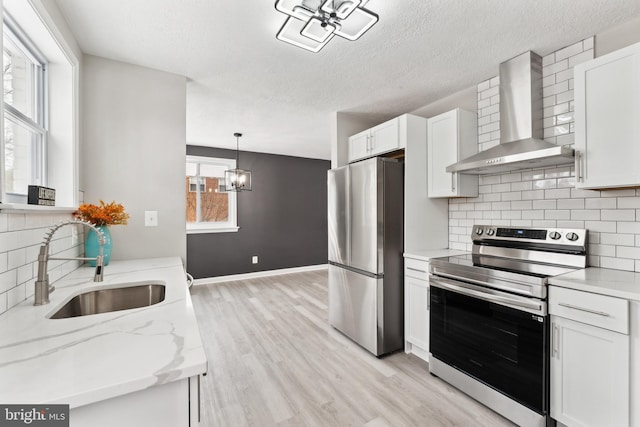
(359, 146)
(417, 304)
(607, 109)
(385, 137)
(442, 147)
(589, 375)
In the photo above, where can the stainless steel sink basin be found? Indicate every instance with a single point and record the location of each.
(112, 299)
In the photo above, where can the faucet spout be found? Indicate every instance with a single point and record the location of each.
(42, 287)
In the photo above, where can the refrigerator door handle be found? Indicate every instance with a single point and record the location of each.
(357, 270)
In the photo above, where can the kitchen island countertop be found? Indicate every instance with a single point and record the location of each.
(82, 360)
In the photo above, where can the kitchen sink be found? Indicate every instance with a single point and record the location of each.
(124, 297)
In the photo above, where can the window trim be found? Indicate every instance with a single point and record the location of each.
(212, 227)
(62, 97)
(36, 124)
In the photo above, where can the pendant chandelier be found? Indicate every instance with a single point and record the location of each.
(237, 179)
(312, 23)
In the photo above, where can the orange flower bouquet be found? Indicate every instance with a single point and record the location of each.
(101, 216)
(106, 214)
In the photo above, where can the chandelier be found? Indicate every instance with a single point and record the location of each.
(237, 179)
(312, 23)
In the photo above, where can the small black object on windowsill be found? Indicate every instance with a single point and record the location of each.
(42, 196)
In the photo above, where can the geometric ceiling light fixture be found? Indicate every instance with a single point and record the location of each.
(237, 179)
(312, 23)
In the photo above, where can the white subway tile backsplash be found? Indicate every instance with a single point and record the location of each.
(545, 204)
(585, 215)
(547, 197)
(617, 239)
(557, 214)
(559, 193)
(618, 215)
(533, 214)
(627, 252)
(20, 238)
(570, 204)
(628, 202)
(568, 51)
(602, 250)
(569, 224)
(545, 184)
(484, 86)
(617, 263)
(580, 58)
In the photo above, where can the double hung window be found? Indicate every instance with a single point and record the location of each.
(25, 115)
(209, 207)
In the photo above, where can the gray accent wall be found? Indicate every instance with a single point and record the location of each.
(283, 220)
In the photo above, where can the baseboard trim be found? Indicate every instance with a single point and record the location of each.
(257, 274)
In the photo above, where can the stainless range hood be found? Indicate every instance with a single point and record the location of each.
(521, 144)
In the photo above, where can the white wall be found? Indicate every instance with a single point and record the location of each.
(133, 151)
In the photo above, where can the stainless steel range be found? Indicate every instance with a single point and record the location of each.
(489, 333)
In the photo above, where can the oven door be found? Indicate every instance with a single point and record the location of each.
(498, 338)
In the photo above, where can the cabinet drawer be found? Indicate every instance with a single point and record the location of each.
(593, 309)
(416, 269)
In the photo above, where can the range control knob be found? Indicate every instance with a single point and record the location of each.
(554, 235)
(478, 231)
(491, 232)
(572, 236)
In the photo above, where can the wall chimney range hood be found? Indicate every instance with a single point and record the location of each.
(521, 131)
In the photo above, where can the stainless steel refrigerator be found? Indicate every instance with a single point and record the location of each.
(365, 253)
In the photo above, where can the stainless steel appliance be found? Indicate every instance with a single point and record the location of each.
(489, 329)
(365, 253)
(521, 144)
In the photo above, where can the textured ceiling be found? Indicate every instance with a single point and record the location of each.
(241, 79)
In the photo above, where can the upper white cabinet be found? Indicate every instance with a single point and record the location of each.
(380, 139)
(451, 136)
(607, 120)
(590, 364)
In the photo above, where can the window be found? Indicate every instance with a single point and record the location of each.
(210, 209)
(193, 182)
(25, 135)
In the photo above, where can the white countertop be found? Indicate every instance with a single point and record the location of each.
(617, 283)
(426, 255)
(81, 360)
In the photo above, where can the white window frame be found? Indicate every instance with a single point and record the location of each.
(37, 124)
(62, 94)
(216, 227)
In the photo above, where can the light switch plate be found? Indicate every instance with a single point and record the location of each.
(150, 218)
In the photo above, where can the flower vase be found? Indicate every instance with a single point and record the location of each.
(92, 245)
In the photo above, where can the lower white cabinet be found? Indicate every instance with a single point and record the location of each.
(590, 363)
(416, 306)
(174, 404)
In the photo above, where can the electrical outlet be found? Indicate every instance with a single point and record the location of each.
(254, 259)
(150, 218)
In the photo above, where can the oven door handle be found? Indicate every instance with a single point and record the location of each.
(460, 288)
(477, 282)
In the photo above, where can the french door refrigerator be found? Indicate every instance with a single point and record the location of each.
(365, 253)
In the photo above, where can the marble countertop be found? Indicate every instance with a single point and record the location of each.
(616, 283)
(426, 255)
(81, 360)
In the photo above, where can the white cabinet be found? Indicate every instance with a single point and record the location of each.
(416, 306)
(172, 404)
(590, 364)
(383, 138)
(607, 120)
(451, 136)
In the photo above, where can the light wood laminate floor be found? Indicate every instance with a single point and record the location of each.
(274, 360)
